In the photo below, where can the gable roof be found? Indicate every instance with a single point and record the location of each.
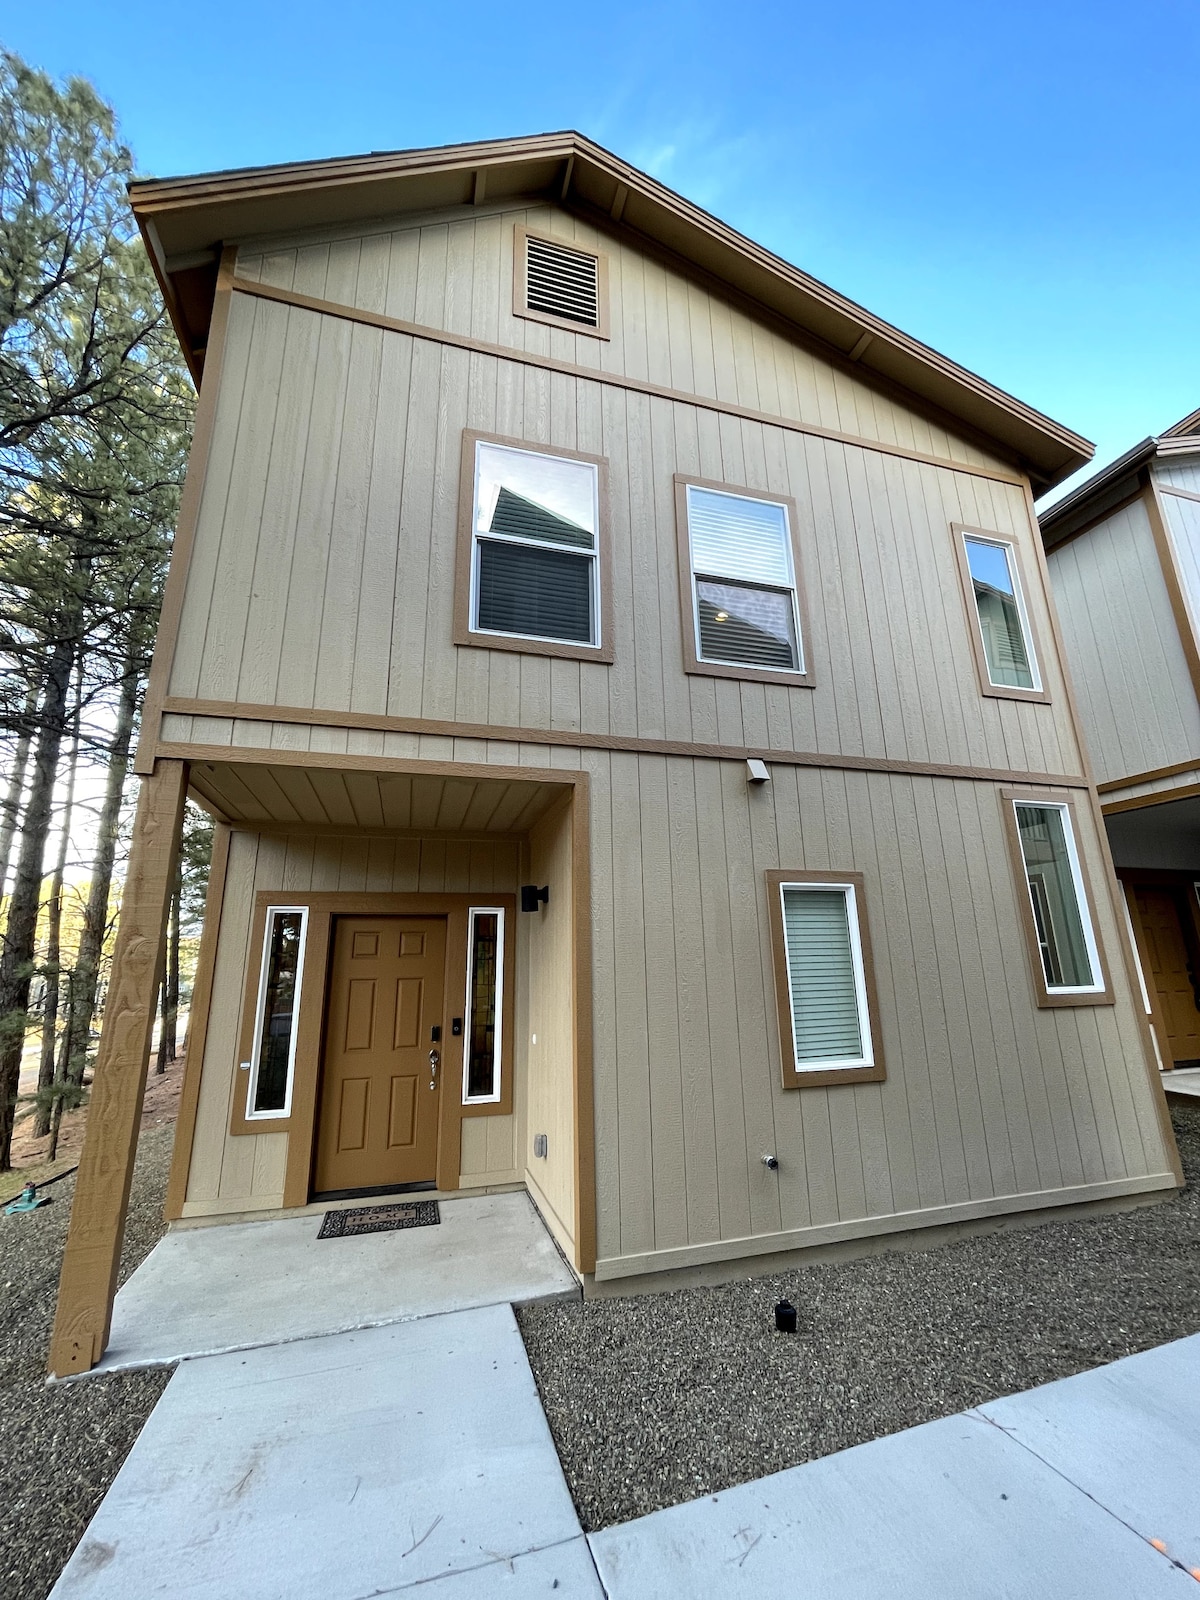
(185, 220)
(1109, 486)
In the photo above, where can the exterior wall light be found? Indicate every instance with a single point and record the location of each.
(532, 896)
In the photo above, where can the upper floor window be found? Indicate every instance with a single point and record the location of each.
(559, 283)
(744, 599)
(1001, 633)
(533, 562)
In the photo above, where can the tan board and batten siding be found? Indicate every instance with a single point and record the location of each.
(322, 578)
(1136, 697)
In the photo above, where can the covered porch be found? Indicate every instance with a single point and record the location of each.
(373, 1014)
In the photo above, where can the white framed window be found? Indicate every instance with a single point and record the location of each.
(746, 616)
(484, 1023)
(535, 546)
(1064, 935)
(1005, 637)
(273, 1058)
(824, 983)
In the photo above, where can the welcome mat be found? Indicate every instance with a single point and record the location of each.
(379, 1219)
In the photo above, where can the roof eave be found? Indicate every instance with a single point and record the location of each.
(215, 208)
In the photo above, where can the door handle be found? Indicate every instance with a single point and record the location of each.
(434, 1058)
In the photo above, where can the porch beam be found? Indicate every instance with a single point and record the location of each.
(88, 1281)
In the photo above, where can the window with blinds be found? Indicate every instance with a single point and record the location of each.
(826, 984)
(535, 546)
(743, 581)
(1000, 608)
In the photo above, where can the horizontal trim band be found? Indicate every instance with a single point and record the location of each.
(1131, 782)
(1157, 797)
(615, 380)
(695, 1255)
(575, 739)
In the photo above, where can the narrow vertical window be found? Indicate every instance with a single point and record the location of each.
(828, 1027)
(1004, 629)
(534, 561)
(485, 981)
(1062, 923)
(744, 600)
(273, 1061)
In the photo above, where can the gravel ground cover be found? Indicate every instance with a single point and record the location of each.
(61, 1446)
(663, 1397)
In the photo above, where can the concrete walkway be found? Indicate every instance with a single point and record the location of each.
(202, 1291)
(360, 1464)
(1185, 1083)
(1051, 1495)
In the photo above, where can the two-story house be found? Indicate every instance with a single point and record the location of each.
(1124, 556)
(624, 675)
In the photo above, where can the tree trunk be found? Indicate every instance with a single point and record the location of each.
(41, 1117)
(60, 1078)
(16, 957)
(95, 917)
(11, 808)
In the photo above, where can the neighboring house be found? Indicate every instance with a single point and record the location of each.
(1124, 558)
(625, 677)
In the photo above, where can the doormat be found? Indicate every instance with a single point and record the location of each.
(379, 1219)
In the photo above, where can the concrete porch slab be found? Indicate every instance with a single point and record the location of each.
(364, 1463)
(956, 1509)
(202, 1291)
(1185, 1083)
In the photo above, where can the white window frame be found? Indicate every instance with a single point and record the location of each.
(1009, 547)
(468, 1019)
(801, 669)
(847, 1063)
(259, 1015)
(596, 642)
(1098, 984)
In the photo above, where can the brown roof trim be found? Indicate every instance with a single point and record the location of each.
(1060, 520)
(183, 217)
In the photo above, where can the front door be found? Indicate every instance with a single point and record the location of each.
(378, 1122)
(1169, 971)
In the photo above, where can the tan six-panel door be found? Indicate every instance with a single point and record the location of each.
(379, 1116)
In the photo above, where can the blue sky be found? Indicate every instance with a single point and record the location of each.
(1015, 184)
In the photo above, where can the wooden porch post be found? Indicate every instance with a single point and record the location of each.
(93, 1251)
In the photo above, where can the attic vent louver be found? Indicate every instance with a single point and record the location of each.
(561, 282)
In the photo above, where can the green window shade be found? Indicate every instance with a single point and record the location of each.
(543, 593)
(1057, 916)
(826, 1022)
(1004, 643)
(279, 1010)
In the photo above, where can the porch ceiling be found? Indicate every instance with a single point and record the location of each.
(322, 797)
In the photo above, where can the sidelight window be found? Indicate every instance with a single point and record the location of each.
(485, 1005)
(273, 1062)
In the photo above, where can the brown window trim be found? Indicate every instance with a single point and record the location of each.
(522, 309)
(692, 662)
(322, 907)
(958, 531)
(464, 634)
(1047, 998)
(816, 1079)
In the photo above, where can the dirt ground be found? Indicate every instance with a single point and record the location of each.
(29, 1154)
(61, 1445)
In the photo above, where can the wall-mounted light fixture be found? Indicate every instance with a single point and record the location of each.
(757, 771)
(532, 896)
